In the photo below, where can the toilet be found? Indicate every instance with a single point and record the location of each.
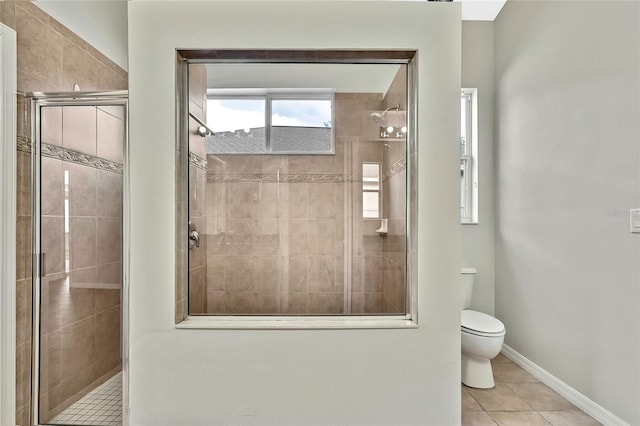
(482, 338)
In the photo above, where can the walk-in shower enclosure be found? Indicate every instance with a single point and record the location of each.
(79, 144)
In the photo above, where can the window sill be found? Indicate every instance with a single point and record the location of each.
(294, 323)
(470, 223)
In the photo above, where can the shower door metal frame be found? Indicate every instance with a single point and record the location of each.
(8, 223)
(36, 101)
(185, 57)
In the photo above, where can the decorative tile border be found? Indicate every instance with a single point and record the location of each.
(395, 168)
(54, 151)
(197, 161)
(212, 176)
(24, 144)
(283, 178)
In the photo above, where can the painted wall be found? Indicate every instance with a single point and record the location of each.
(568, 171)
(478, 240)
(195, 377)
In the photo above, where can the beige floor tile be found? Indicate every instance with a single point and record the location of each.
(518, 418)
(569, 418)
(468, 402)
(501, 358)
(500, 398)
(540, 396)
(476, 418)
(511, 373)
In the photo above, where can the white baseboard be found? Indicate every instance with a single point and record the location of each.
(596, 411)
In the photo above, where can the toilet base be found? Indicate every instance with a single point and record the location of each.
(477, 372)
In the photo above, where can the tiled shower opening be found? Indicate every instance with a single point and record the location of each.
(100, 407)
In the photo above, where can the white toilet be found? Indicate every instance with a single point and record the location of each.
(482, 338)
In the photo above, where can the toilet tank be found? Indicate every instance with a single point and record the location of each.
(467, 277)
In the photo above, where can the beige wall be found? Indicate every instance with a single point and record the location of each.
(50, 58)
(568, 171)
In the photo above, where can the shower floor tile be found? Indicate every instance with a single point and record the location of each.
(100, 407)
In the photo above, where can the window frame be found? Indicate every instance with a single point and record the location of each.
(469, 192)
(185, 57)
(269, 95)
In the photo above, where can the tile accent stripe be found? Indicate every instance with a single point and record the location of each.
(273, 178)
(395, 168)
(212, 176)
(54, 151)
(197, 161)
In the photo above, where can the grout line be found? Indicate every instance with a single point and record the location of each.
(100, 407)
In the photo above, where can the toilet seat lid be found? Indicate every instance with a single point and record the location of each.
(481, 323)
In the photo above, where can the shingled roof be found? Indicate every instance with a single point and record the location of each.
(283, 139)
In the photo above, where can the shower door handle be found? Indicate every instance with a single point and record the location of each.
(194, 236)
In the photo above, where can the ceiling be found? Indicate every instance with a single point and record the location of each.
(103, 23)
(343, 78)
(481, 10)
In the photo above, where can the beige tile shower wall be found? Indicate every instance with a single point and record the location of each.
(81, 210)
(51, 58)
(394, 246)
(359, 132)
(275, 248)
(23, 289)
(367, 272)
(197, 286)
(280, 247)
(394, 189)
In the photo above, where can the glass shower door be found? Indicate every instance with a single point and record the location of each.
(79, 235)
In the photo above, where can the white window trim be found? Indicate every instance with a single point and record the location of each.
(275, 322)
(470, 216)
(8, 160)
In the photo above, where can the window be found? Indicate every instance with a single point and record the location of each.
(270, 123)
(468, 157)
(291, 239)
(371, 190)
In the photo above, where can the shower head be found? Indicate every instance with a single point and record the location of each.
(378, 117)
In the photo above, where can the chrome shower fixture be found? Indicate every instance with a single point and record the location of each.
(378, 117)
(393, 126)
(203, 130)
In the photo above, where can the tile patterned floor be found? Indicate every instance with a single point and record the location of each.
(100, 407)
(518, 399)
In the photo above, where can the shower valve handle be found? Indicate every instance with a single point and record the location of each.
(194, 236)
